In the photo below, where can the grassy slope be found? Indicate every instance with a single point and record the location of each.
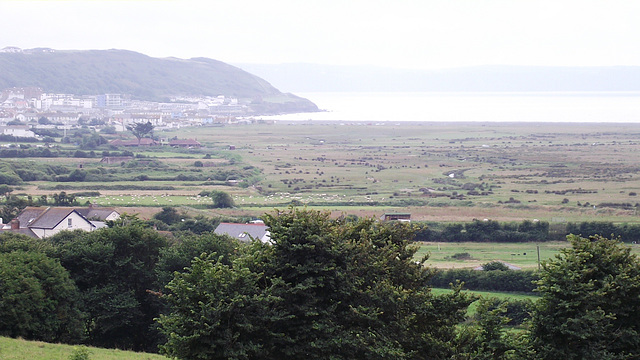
(18, 349)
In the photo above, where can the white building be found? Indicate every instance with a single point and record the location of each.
(17, 131)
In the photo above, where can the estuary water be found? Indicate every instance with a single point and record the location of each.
(591, 107)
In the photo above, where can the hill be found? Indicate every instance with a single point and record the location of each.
(91, 72)
(326, 78)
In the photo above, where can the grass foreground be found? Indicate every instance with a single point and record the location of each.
(19, 349)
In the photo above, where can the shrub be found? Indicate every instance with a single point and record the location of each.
(221, 199)
(495, 265)
(80, 353)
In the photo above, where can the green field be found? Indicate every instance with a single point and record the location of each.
(18, 349)
(524, 255)
(436, 171)
(488, 294)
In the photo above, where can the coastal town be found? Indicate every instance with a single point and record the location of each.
(28, 112)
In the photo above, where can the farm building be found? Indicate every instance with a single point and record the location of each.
(116, 159)
(134, 142)
(188, 143)
(396, 216)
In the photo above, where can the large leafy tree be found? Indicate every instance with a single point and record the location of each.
(325, 289)
(140, 130)
(115, 271)
(589, 304)
(38, 300)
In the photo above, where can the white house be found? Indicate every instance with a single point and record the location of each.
(44, 222)
(17, 131)
(41, 222)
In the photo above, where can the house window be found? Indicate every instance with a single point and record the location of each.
(69, 222)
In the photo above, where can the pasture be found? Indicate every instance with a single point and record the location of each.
(18, 349)
(436, 171)
(523, 255)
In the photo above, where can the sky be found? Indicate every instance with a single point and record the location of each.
(409, 34)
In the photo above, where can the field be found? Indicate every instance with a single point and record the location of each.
(17, 349)
(523, 255)
(435, 171)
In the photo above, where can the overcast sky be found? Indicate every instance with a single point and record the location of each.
(420, 34)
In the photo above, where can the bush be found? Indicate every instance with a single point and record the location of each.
(8, 176)
(80, 353)
(221, 199)
(495, 265)
(38, 300)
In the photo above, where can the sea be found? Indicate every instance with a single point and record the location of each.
(572, 107)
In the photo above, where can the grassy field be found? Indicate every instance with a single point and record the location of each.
(524, 255)
(18, 349)
(488, 294)
(436, 171)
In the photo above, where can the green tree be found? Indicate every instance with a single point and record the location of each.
(10, 241)
(324, 289)
(221, 199)
(486, 338)
(5, 190)
(140, 130)
(13, 206)
(169, 215)
(9, 176)
(114, 269)
(180, 255)
(38, 300)
(589, 302)
(62, 199)
(495, 266)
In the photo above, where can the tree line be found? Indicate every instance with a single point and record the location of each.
(525, 231)
(323, 289)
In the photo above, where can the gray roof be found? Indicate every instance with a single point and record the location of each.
(30, 213)
(244, 232)
(50, 218)
(45, 218)
(98, 213)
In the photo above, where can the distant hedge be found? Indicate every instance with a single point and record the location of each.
(629, 233)
(525, 231)
(510, 280)
(485, 231)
